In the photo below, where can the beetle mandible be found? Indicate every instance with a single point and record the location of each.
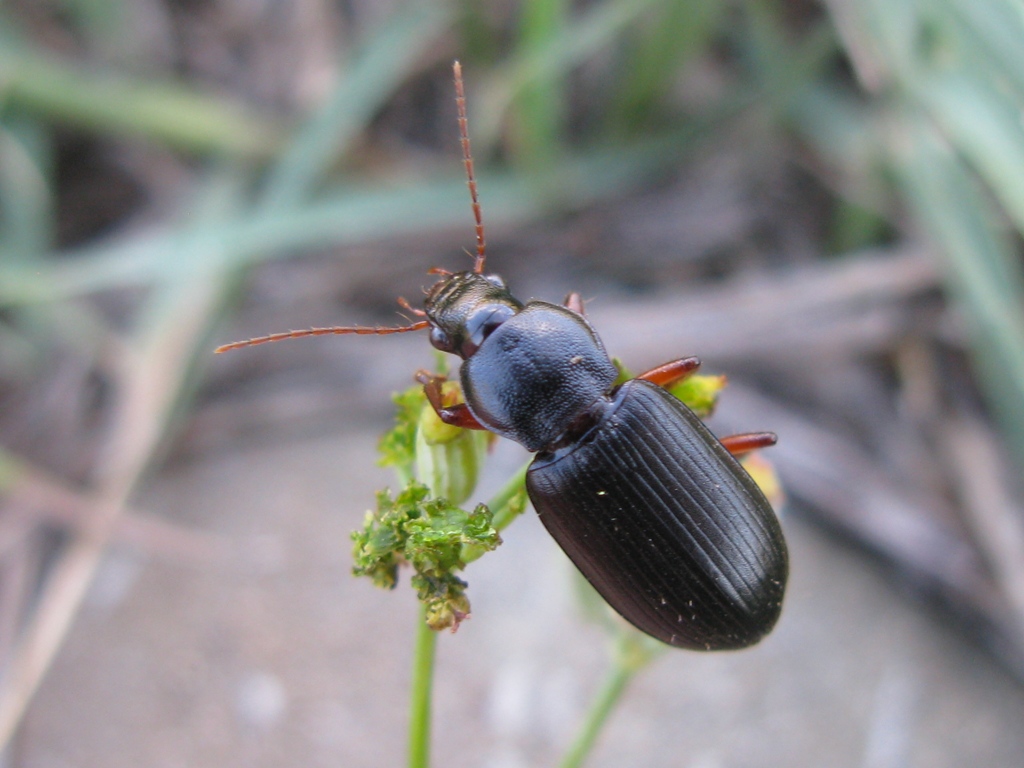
(654, 510)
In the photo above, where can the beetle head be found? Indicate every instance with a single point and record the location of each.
(464, 309)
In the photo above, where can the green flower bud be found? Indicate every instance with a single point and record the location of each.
(448, 459)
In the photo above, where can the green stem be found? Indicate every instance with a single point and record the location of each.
(499, 503)
(611, 691)
(422, 686)
(632, 653)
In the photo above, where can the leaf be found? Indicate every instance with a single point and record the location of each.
(398, 445)
(699, 393)
(429, 534)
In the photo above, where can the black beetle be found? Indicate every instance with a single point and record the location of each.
(654, 510)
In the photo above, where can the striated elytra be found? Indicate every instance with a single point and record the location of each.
(665, 523)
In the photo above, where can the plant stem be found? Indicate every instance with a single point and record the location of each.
(631, 655)
(499, 503)
(613, 687)
(422, 685)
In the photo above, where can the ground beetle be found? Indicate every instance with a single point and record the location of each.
(650, 506)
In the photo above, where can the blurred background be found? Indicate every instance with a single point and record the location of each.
(823, 200)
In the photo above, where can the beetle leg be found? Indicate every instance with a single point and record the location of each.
(458, 415)
(748, 441)
(671, 373)
(574, 302)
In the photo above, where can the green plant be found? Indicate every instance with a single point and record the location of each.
(422, 527)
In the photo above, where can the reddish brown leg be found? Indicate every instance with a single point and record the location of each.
(574, 302)
(671, 373)
(457, 415)
(737, 445)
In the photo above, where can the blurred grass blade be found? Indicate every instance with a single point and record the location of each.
(977, 251)
(102, 21)
(381, 65)
(784, 70)
(955, 76)
(359, 213)
(538, 112)
(987, 129)
(349, 216)
(994, 31)
(843, 131)
(895, 26)
(25, 203)
(591, 30)
(106, 102)
(654, 51)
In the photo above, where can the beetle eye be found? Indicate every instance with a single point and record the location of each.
(482, 324)
(495, 280)
(439, 339)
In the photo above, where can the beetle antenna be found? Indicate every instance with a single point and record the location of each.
(467, 160)
(336, 330)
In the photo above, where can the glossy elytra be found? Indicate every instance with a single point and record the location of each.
(652, 508)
